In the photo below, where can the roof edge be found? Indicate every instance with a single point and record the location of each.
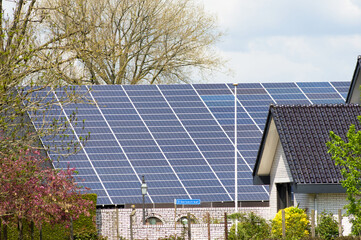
(354, 79)
(319, 188)
(261, 147)
(261, 180)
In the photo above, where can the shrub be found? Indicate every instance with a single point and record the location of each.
(297, 224)
(171, 237)
(84, 227)
(250, 226)
(88, 236)
(327, 227)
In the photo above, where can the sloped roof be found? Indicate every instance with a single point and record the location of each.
(180, 137)
(304, 131)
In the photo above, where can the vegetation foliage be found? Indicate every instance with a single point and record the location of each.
(45, 45)
(250, 226)
(297, 223)
(347, 154)
(84, 227)
(134, 41)
(30, 192)
(327, 227)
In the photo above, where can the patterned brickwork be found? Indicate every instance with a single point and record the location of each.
(107, 222)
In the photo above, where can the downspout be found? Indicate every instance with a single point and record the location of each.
(315, 207)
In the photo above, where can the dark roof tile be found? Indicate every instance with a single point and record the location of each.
(304, 131)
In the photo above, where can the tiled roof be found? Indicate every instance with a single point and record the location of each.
(304, 131)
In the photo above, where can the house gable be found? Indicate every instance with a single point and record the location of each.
(267, 153)
(354, 92)
(303, 132)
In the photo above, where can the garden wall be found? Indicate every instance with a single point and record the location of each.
(112, 226)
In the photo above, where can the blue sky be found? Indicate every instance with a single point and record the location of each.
(288, 40)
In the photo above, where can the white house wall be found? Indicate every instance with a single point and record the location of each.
(280, 173)
(330, 202)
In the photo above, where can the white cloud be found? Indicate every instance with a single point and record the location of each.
(282, 40)
(284, 59)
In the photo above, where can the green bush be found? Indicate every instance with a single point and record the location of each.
(311, 238)
(171, 237)
(338, 238)
(86, 225)
(297, 224)
(88, 236)
(327, 227)
(249, 226)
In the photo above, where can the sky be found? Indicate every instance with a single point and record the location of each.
(287, 40)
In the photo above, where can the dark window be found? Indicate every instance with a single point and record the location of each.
(284, 195)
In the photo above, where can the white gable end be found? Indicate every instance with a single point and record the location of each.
(280, 173)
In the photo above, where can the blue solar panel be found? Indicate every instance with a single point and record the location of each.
(318, 90)
(283, 90)
(293, 96)
(179, 136)
(270, 86)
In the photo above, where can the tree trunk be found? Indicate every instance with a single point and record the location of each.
(5, 232)
(20, 230)
(32, 230)
(71, 229)
(41, 232)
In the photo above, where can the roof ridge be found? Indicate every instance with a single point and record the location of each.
(314, 105)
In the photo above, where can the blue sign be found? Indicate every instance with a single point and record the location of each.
(187, 201)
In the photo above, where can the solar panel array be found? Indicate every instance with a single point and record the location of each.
(180, 137)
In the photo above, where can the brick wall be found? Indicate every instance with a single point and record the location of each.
(107, 222)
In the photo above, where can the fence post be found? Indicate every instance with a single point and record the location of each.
(131, 222)
(189, 226)
(131, 227)
(283, 224)
(117, 220)
(339, 223)
(209, 226)
(175, 216)
(225, 226)
(313, 233)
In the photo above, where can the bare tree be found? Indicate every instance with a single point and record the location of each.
(137, 41)
(27, 58)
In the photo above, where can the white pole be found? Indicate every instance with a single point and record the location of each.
(235, 158)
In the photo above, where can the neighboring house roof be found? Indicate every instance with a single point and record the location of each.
(303, 132)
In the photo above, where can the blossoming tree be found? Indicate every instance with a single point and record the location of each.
(31, 192)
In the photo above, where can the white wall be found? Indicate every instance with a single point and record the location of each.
(280, 173)
(330, 202)
(107, 222)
